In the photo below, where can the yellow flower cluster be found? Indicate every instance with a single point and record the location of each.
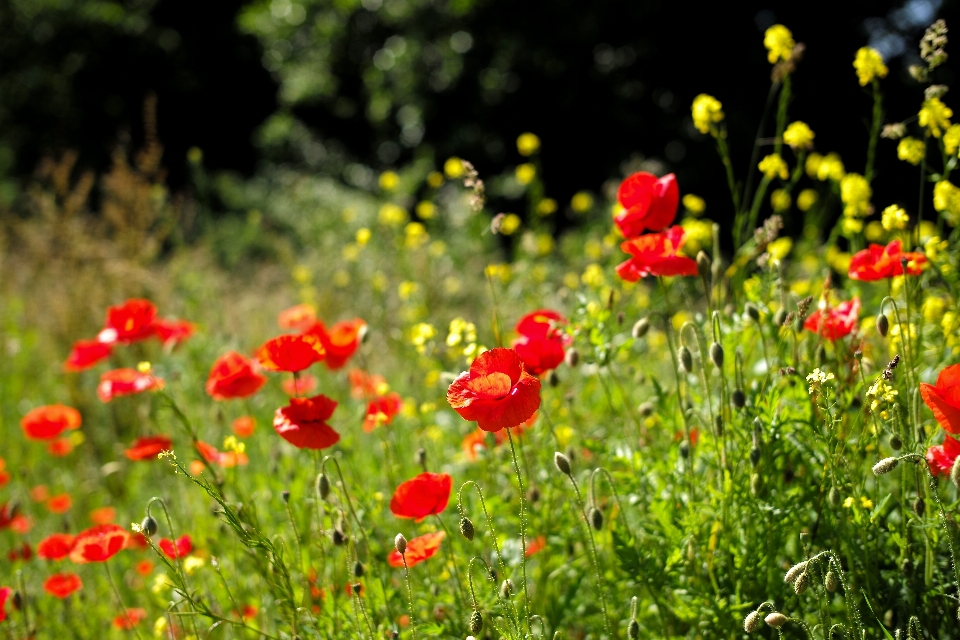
(525, 173)
(817, 378)
(453, 168)
(935, 116)
(946, 200)
(706, 111)
(828, 167)
(779, 43)
(593, 275)
(421, 335)
(415, 235)
(911, 150)
(881, 394)
(546, 207)
(528, 144)
(798, 135)
(806, 199)
(780, 200)
(389, 180)
(463, 334)
(581, 202)
(894, 218)
(694, 204)
(869, 65)
(509, 224)
(855, 193)
(773, 166)
(699, 235)
(392, 215)
(951, 139)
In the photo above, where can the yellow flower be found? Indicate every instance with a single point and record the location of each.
(911, 150)
(546, 206)
(699, 235)
(874, 231)
(509, 224)
(798, 135)
(499, 271)
(931, 248)
(933, 309)
(415, 235)
(935, 116)
(779, 248)
(389, 180)
(302, 274)
(830, 168)
(946, 199)
(581, 202)
(779, 43)
(851, 226)
(571, 280)
(869, 65)
(706, 111)
(694, 204)
(421, 335)
(407, 289)
(363, 236)
(817, 378)
(773, 166)
(894, 217)
(434, 179)
(192, 563)
(160, 626)
(951, 139)
(528, 144)
(391, 214)
(143, 367)
(780, 200)
(593, 275)
(426, 210)
(806, 199)
(525, 173)
(453, 167)
(855, 192)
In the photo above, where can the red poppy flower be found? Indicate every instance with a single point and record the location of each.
(942, 457)
(340, 342)
(103, 515)
(541, 343)
(536, 545)
(49, 421)
(56, 546)
(4, 594)
(98, 544)
(21, 524)
(61, 585)
(125, 382)
(477, 439)
(86, 353)
(4, 477)
(244, 426)
(648, 202)
(233, 376)
(136, 541)
(656, 254)
(300, 317)
(382, 410)
(303, 422)
(59, 503)
(944, 398)
(129, 619)
(225, 459)
(182, 547)
(59, 448)
(299, 386)
(290, 353)
(836, 322)
(7, 514)
(148, 447)
(173, 332)
(144, 567)
(497, 392)
(418, 550)
(425, 495)
(877, 262)
(24, 552)
(129, 322)
(365, 385)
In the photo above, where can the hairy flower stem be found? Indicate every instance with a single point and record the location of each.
(874, 130)
(413, 615)
(116, 592)
(594, 556)
(523, 532)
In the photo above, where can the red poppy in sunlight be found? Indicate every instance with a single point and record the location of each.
(148, 447)
(877, 262)
(366, 385)
(536, 544)
(144, 567)
(125, 382)
(249, 612)
(299, 317)
(103, 515)
(59, 448)
(541, 343)
(129, 619)
(942, 457)
(59, 503)
(835, 322)
(49, 421)
(944, 398)
(299, 386)
(425, 495)
(4, 595)
(233, 376)
(173, 332)
(418, 550)
(340, 341)
(86, 353)
(649, 203)
(290, 353)
(656, 254)
(136, 541)
(303, 422)
(129, 322)
(382, 410)
(497, 392)
(61, 585)
(56, 546)
(244, 426)
(182, 547)
(98, 544)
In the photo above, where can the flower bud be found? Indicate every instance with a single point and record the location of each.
(323, 486)
(286, 496)
(633, 630)
(476, 622)
(596, 518)
(794, 572)
(755, 454)
(834, 497)
(801, 583)
(149, 526)
(552, 378)
(703, 264)
(716, 355)
(422, 457)
(506, 589)
(883, 325)
(739, 398)
(338, 537)
(17, 601)
(640, 328)
(955, 473)
(919, 506)
(831, 582)
(776, 619)
(756, 485)
(752, 311)
(620, 318)
(684, 449)
(685, 358)
(779, 317)
(885, 466)
(562, 462)
(895, 442)
(645, 409)
(358, 569)
(718, 424)
(400, 543)
(752, 622)
(572, 357)
(466, 528)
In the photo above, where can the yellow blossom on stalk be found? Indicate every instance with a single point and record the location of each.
(694, 204)
(593, 275)
(160, 627)
(780, 200)
(392, 215)
(301, 274)
(546, 206)
(779, 248)
(192, 563)
(509, 223)
(869, 65)
(434, 179)
(160, 583)
(933, 309)
(816, 378)
(525, 173)
(828, 167)
(798, 135)
(389, 180)
(415, 235)
(933, 246)
(935, 116)
(851, 226)
(143, 367)
(773, 166)
(894, 218)
(874, 231)
(407, 289)
(230, 443)
(806, 199)
(528, 144)
(927, 230)
(855, 193)
(363, 236)
(499, 271)
(706, 111)
(581, 202)
(946, 199)
(699, 235)
(779, 43)
(421, 335)
(461, 332)
(951, 139)
(838, 260)
(453, 167)
(911, 150)
(426, 210)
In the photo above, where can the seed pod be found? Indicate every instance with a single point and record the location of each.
(955, 473)
(645, 409)
(476, 622)
(285, 495)
(338, 537)
(506, 589)
(798, 324)
(572, 357)
(755, 454)
(703, 264)
(834, 497)
(895, 442)
(422, 457)
(752, 622)
(533, 495)
(620, 318)
(776, 619)
(149, 526)
(562, 462)
(596, 518)
(779, 317)
(358, 569)
(739, 398)
(794, 572)
(685, 358)
(756, 485)
(802, 582)
(323, 486)
(885, 466)
(831, 582)
(552, 378)
(466, 528)
(883, 325)
(400, 543)
(633, 630)
(716, 355)
(640, 328)
(752, 311)
(919, 506)
(718, 424)
(684, 449)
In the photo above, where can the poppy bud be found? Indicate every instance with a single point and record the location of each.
(801, 583)
(572, 357)
(779, 317)
(633, 630)
(703, 264)
(358, 569)
(858, 355)
(476, 622)
(833, 497)
(338, 537)
(645, 409)
(738, 398)
(323, 486)
(685, 358)
(885, 466)
(830, 581)
(895, 442)
(506, 589)
(791, 576)
(620, 318)
(552, 378)
(400, 543)
(562, 462)
(716, 355)
(755, 456)
(357, 587)
(798, 324)
(685, 449)
(611, 299)
(883, 325)
(596, 518)
(776, 619)
(286, 496)
(820, 356)
(466, 528)
(919, 506)
(752, 312)
(641, 327)
(718, 424)
(534, 495)
(756, 485)
(752, 622)
(422, 457)
(149, 526)
(955, 473)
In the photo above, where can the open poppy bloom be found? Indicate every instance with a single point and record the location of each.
(49, 421)
(942, 457)
(541, 343)
(303, 422)
(60, 447)
(877, 262)
(497, 392)
(944, 398)
(233, 376)
(61, 585)
(300, 317)
(244, 426)
(56, 546)
(656, 254)
(418, 550)
(299, 386)
(339, 342)
(835, 322)
(536, 545)
(649, 203)
(4, 595)
(59, 503)
(125, 382)
(290, 353)
(148, 447)
(382, 410)
(129, 619)
(129, 322)
(366, 385)
(86, 353)
(173, 332)
(179, 549)
(98, 544)
(425, 495)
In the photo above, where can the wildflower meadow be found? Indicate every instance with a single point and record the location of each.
(424, 417)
